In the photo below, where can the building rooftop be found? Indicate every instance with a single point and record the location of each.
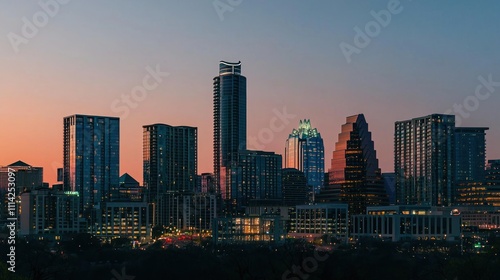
(19, 163)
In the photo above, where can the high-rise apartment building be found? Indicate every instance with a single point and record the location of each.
(170, 164)
(424, 160)
(91, 159)
(170, 159)
(230, 123)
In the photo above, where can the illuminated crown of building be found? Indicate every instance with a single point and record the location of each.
(305, 130)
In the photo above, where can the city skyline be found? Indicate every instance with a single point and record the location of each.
(311, 80)
(233, 139)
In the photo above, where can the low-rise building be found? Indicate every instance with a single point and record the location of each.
(408, 222)
(124, 220)
(45, 212)
(248, 229)
(315, 221)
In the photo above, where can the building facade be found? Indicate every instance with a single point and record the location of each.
(129, 190)
(481, 193)
(27, 177)
(255, 176)
(207, 184)
(424, 160)
(315, 221)
(295, 189)
(169, 163)
(390, 186)
(480, 217)
(493, 182)
(45, 212)
(186, 211)
(199, 211)
(230, 122)
(470, 151)
(91, 159)
(304, 150)
(124, 220)
(400, 223)
(248, 229)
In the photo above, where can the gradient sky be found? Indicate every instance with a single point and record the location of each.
(90, 53)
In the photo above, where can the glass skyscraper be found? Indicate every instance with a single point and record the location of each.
(91, 159)
(424, 160)
(355, 177)
(304, 151)
(230, 123)
(169, 163)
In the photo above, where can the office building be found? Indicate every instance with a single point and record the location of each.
(355, 177)
(317, 220)
(27, 177)
(248, 229)
(493, 172)
(124, 220)
(390, 186)
(407, 222)
(49, 213)
(424, 160)
(304, 150)
(481, 193)
(129, 189)
(273, 208)
(480, 217)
